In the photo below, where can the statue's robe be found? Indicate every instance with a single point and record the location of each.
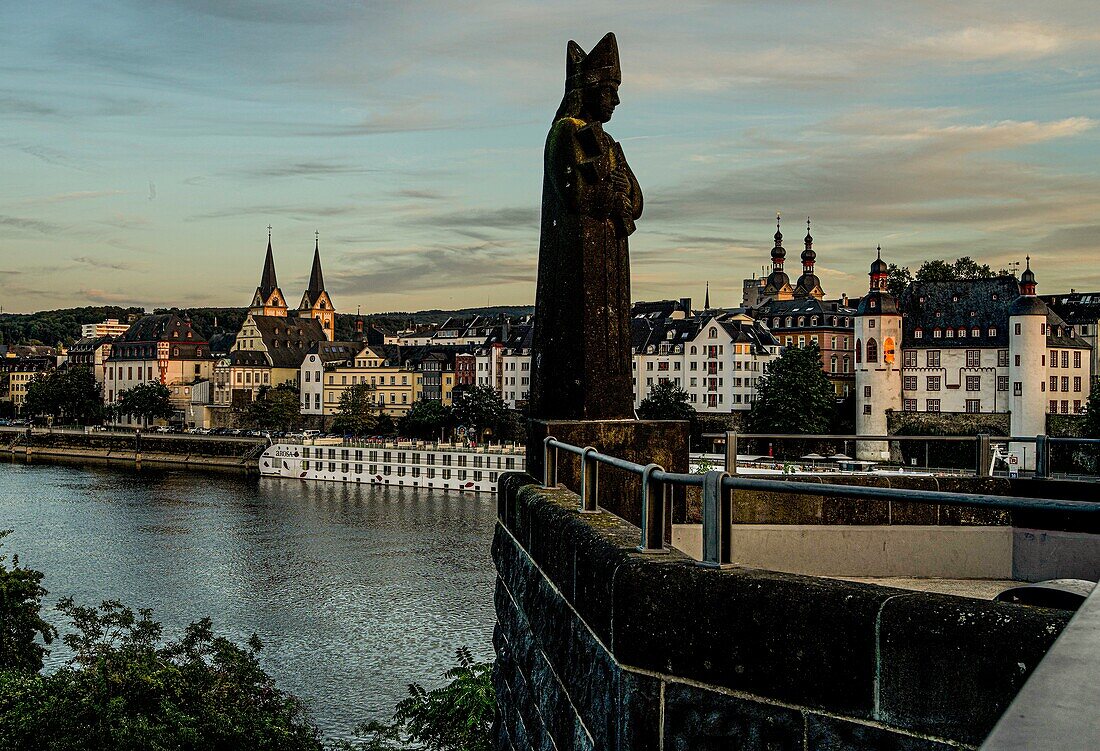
(582, 340)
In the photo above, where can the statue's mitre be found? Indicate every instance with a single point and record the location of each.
(601, 65)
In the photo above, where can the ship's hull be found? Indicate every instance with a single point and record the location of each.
(430, 467)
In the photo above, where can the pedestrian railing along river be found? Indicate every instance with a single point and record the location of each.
(719, 489)
(982, 445)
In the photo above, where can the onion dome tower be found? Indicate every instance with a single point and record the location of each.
(878, 367)
(778, 284)
(1027, 368)
(269, 299)
(808, 284)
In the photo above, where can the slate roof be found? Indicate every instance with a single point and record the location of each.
(806, 308)
(89, 344)
(958, 304)
(221, 342)
(288, 339)
(249, 358)
(335, 351)
(161, 327)
(1075, 308)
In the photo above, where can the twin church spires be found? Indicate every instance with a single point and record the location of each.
(316, 303)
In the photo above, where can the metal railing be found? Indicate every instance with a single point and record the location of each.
(982, 445)
(720, 487)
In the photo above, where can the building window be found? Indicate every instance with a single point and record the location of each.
(909, 405)
(1002, 383)
(909, 383)
(973, 406)
(866, 392)
(1002, 358)
(973, 358)
(1017, 388)
(932, 405)
(866, 409)
(973, 383)
(1016, 329)
(859, 351)
(1077, 384)
(1065, 384)
(910, 358)
(1053, 407)
(872, 350)
(1077, 358)
(1054, 358)
(932, 358)
(1065, 358)
(871, 322)
(1054, 383)
(1065, 407)
(932, 383)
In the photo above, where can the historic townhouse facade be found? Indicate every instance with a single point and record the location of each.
(92, 352)
(966, 346)
(161, 348)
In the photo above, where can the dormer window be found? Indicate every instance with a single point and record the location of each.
(918, 334)
(874, 303)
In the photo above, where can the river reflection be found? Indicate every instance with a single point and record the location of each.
(355, 591)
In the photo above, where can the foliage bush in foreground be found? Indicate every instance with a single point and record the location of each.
(125, 688)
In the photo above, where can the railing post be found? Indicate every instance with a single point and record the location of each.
(1042, 457)
(549, 463)
(590, 481)
(654, 494)
(717, 521)
(984, 458)
(731, 452)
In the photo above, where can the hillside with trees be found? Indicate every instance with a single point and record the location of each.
(53, 327)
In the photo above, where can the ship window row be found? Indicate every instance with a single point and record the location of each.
(428, 472)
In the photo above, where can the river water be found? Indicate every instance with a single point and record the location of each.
(354, 591)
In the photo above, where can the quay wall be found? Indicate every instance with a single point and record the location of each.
(601, 647)
(151, 449)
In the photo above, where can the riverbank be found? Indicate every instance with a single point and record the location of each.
(191, 452)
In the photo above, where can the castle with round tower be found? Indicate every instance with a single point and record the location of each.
(966, 346)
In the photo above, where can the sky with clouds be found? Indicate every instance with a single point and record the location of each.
(147, 146)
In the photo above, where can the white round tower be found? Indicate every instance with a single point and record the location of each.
(878, 363)
(1027, 368)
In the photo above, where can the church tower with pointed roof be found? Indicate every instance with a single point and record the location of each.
(269, 299)
(316, 302)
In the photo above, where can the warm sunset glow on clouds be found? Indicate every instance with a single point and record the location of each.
(147, 146)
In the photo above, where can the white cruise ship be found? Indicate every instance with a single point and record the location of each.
(407, 463)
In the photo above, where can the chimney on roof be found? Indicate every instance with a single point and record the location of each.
(685, 304)
(844, 299)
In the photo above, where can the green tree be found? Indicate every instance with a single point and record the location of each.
(795, 395)
(275, 408)
(937, 270)
(480, 408)
(69, 395)
(666, 401)
(125, 689)
(146, 401)
(424, 419)
(359, 413)
(457, 717)
(21, 594)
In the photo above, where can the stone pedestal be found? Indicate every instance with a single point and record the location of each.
(663, 442)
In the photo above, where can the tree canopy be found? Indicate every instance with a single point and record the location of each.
(795, 395)
(424, 419)
(481, 408)
(146, 401)
(69, 395)
(899, 277)
(21, 594)
(275, 408)
(666, 401)
(359, 413)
